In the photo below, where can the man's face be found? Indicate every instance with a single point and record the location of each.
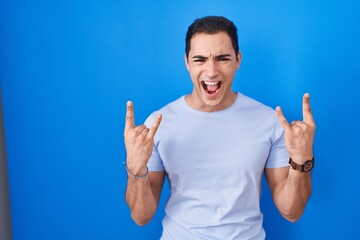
(212, 65)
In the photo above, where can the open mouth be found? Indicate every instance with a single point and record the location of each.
(211, 87)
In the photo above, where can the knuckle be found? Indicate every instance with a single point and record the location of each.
(295, 123)
(139, 128)
(145, 131)
(142, 127)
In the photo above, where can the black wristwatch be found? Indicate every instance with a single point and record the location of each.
(306, 167)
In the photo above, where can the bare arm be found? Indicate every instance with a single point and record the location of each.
(142, 194)
(290, 188)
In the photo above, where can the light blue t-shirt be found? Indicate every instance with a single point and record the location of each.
(214, 162)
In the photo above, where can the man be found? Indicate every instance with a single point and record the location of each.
(214, 144)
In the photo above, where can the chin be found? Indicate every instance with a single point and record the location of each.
(212, 104)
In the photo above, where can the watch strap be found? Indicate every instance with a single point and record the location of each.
(302, 168)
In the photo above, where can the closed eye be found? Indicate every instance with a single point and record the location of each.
(223, 57)
(199, 58)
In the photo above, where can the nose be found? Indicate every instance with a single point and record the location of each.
(211, 68)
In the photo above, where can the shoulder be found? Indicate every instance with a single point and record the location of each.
(261, 116)
(253, 106)
(170, 109)
(173, 106)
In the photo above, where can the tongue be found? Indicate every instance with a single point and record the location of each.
(212, 88)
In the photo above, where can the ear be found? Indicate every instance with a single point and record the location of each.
(239, 56)
(186, 62)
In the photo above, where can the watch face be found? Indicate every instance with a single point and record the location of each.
(308, 165)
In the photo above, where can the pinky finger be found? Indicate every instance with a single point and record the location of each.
(155, 126)
(284, 123)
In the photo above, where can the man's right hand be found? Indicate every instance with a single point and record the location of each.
(139, 141)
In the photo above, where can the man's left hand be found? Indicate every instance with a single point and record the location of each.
(299, 135)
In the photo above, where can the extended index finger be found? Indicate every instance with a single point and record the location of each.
(307, 114)
(129, 121)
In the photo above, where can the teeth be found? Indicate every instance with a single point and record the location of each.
(211, 83)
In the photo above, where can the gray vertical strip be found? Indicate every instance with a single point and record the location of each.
(5, 221)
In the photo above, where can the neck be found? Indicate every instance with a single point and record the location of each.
(197, 103)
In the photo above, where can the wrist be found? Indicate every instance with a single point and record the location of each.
(137, 171)
(302, 167)
(135, 168)
(301, 159)
(136, 175)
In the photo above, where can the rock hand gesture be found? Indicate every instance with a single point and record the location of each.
(299, 135)
(139, 141)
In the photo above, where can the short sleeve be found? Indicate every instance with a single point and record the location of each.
(155, 163)
(278, 156)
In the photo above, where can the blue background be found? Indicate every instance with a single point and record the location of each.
(67, 69)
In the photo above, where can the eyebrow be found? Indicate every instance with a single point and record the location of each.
(217, 57)
(222, 56)
(200, 57)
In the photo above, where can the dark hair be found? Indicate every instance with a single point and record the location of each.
(212, 25)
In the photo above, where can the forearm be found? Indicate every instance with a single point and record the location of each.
(139, 143)
(294, 194)
(291, 189)
(141, 200)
